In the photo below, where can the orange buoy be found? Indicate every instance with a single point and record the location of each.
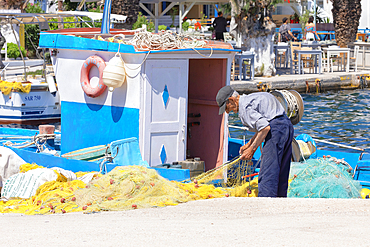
(85, 81)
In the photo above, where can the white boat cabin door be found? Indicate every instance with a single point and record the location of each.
(165, 111)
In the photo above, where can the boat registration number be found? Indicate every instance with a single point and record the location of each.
(32, 98)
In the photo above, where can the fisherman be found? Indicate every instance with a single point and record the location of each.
(262, 113)
(2, 42)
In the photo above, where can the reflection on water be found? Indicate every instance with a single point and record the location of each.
(340, 116)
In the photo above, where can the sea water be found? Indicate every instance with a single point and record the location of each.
(337, 116)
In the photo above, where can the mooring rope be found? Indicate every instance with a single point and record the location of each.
(292, 102)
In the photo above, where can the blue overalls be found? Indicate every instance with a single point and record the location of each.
(275, 159)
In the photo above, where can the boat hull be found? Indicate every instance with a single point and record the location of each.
(38, 106)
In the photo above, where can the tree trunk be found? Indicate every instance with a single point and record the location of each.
(129, 8)
(252, 19)
(346, 14)
(11, 4)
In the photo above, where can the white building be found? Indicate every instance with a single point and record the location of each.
(324, 10)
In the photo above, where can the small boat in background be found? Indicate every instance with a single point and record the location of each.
(29, 102)
(28, 92)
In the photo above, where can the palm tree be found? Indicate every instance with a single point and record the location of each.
(346, 14)
(129, 8)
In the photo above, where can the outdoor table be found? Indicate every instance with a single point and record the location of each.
(241, 57)
(332, 50)
(314, 45)
(287, 52)
(316, 53)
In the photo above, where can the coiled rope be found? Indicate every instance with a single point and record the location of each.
(167, 40)
(292, 103)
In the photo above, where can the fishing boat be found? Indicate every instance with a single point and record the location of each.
(133, 100)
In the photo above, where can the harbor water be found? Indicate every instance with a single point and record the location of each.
(337, 116)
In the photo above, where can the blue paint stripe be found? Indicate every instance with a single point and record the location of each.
(31, 117)
(90, 125)
(60, 41)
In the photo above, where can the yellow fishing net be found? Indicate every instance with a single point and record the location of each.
(27, 167)
(6, 87)
(126, 187)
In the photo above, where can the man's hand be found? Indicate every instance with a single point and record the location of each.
(242, 148)
(247, 154)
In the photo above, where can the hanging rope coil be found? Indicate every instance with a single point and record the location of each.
(166, 40)
(292, 103)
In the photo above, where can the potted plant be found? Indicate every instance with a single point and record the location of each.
(185, 26)
(296, 18)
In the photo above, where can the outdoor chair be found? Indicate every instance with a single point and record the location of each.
(353, 60)
(335, 57)
(293, 57)
(361, 36)
(246, 68)
(281, 55)
(307, 60)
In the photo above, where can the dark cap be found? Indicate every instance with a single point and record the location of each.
(222, 96)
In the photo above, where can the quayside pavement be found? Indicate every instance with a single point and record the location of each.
(213, 222)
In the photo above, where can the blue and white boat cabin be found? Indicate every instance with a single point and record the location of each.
(167, 100)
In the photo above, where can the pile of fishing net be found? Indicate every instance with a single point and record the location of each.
(132, 187)
(125, 187)
(325, 177)
(6, 87)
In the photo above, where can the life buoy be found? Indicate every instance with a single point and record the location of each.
(85, 81)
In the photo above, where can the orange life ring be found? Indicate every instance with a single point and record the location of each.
(85, 81)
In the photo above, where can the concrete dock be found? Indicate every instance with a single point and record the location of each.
(225, 222)
(305, 83)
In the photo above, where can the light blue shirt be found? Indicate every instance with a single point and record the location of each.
(256, 110)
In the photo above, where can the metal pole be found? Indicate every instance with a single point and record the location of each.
(105, 25)
(156, 11)
(20, 51)
(314, 17)
(181, 12)
(338, 144)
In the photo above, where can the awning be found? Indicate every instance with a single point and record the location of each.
(37, 18)
(98, 16)
(30, 18)
(182, 11)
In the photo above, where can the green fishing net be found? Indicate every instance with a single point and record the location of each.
(325, 177)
